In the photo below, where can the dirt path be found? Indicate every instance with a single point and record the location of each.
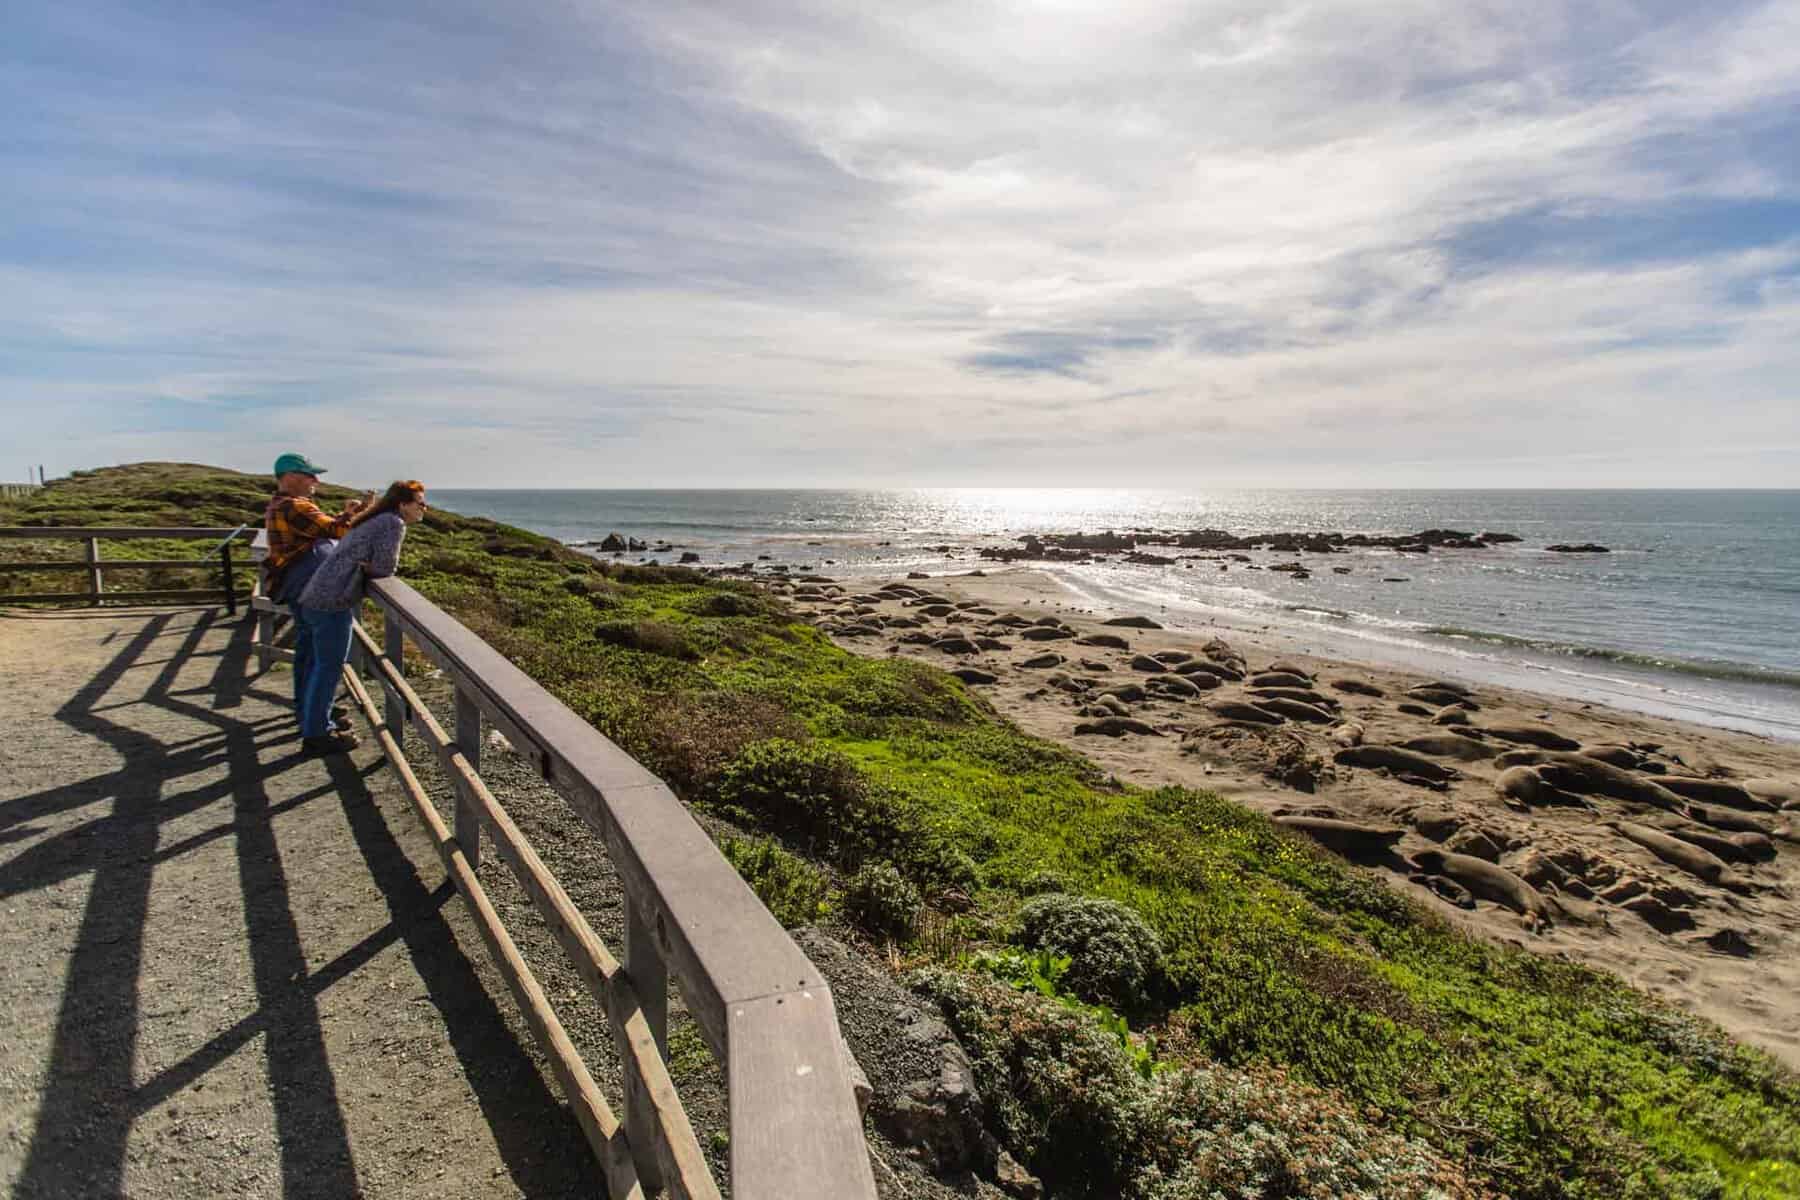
(231, 970)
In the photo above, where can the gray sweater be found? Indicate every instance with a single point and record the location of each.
(369, 551)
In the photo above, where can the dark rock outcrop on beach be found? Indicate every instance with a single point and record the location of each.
(1082, 547)
(1578, 548)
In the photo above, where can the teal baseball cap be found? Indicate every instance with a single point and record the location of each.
(296, 462)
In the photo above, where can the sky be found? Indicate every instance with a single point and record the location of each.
(1393, 243)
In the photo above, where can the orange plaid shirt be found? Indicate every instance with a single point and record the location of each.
(294, 524)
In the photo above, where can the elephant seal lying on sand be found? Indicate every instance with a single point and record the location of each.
(1487, 880)
(1714, 791)
(1394, 759)
(1532, 735)
(1590, 777)
(1527, 786)
(1346, 837)
(1449, 745)
(1702, 864)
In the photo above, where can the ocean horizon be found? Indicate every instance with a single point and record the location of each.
(1693, 612)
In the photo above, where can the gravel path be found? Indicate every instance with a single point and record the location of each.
(231, 970)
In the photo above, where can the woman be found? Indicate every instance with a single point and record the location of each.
(371, 550)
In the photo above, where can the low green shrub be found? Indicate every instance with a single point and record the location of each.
(688, 737)
(1065, 1096)
(1114, 956)
(881, 901)
(791, 888)
(650, 637)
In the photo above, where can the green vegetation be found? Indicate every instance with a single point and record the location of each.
(1314, 1031)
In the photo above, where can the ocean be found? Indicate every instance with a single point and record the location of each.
(1694, 614)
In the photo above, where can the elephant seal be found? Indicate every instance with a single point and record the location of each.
(1146, 664)
(1395, 759)
(1440, 697)
(1714, 791)
(1349, 838)
(1702, 864)
(1116, 727)
(1722, 818)
(1284, 679)
(1450, 715)
(1347, 733)
(1591, 777)
(1041, 661)
(1484, 879)
(975, 675)
(1532, 735)
(1528, 787)
(1176, 685)
(1357, 687)
(1235, 710)
(1110, 640)
(1303, 695)
(1295, 710)
(1219, 671)
(1287, 668)
(1734, 847)
(1446, 745)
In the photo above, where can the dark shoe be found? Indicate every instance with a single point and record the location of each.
(331, 743)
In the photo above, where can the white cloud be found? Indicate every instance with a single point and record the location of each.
(994, 243)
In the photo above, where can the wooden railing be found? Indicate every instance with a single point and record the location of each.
(763, 1008)
(18, 491)
(94, 567)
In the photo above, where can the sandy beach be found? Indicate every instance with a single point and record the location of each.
(1666, 852)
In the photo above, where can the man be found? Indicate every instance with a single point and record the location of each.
(300, 534)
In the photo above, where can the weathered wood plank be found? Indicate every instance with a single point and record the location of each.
(82, 532)
(211, 595)
(795, 1132)
(113, 564)
(468, 741)
(595, 1116)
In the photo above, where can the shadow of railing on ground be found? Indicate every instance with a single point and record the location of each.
(89, 1100)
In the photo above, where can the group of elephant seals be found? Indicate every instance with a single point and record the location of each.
(1695, 860)
(1586, 776)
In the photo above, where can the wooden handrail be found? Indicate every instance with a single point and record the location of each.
(761, 1005)
(117, 532)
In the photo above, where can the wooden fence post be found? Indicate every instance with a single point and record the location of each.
(93, 557)
(650, 979)
(230, 584)
(394, 649)
(468, 809)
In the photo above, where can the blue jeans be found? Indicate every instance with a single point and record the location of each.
(327, 636)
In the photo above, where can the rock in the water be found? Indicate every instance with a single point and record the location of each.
(975, 675)
(1116, 727)
(1357, 687)
(1578, 548)
(1133, 623)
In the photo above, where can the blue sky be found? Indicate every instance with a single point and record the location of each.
(573, 244)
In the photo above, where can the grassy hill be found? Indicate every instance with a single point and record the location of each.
(1165, 997)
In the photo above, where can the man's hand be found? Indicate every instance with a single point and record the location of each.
(357, 505)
